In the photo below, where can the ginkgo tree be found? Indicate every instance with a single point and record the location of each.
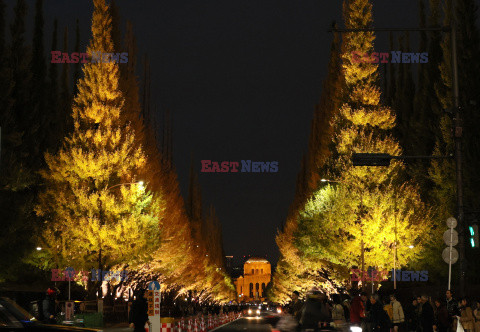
(369, 210)
(95, 208)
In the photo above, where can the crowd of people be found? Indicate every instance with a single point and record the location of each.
(376, 314)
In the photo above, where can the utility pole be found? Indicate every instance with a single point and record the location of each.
(458, 157)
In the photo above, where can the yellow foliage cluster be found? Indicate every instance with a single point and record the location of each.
(370, 206)
(108, 189)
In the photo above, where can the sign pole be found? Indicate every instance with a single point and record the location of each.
(153, 299)
(450, 260)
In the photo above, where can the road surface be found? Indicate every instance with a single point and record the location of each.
(245, 324)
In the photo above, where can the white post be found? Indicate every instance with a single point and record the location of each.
(450, 260)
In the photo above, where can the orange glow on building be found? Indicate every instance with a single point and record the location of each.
(257, 274)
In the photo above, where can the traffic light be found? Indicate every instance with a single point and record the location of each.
(474, 242)
(371, 159)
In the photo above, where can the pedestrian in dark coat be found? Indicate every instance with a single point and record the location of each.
(427, 317)
(49, 307)
(313, 311)
(295, 307)
(411, 316)
(378, 317)
(139, 312)
(452, 309)
(441, 317)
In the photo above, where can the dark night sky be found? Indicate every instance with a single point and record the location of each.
(241, 79)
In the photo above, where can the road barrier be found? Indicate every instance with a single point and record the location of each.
(200, 323)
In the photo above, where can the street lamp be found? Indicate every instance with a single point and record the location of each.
(334, 181)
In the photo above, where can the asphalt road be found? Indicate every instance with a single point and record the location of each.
(246, 324)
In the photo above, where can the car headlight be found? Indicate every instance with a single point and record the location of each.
(279, 310)
(258, 312)
(250, 312)
(355, 329)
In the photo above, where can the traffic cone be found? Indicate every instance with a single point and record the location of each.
(196, 329)
(203, 327)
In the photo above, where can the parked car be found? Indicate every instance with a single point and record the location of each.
(15, 318)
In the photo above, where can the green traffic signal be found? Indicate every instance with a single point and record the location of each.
(474, 240)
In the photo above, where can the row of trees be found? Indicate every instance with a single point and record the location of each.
(87, 178)
(358, 216)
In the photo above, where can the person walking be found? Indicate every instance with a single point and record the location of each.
(398, 317)
(338, 312)
(49, 307)
(378, 316)
(427, 316)
(452, 309)
(295, 307)
(476, 315)
(466, 316)
(139, 312)
(367, 326)
(441, 317)
(313, 312)
(357, 309)
(411, 316)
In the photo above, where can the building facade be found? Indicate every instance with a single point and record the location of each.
(257, 274)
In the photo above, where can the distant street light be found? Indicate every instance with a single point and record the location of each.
(39, 248)
(327, 180)
(140, 184)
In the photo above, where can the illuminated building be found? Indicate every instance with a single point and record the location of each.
(257, 274)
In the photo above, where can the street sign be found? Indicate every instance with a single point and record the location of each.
(153, 300)
(69, 305)
(450, 234)
(446, 255)
(371, 159)
(452, 222)
(153, 285)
